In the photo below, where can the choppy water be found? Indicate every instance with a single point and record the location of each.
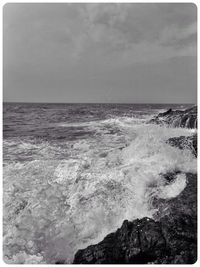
(74, 172)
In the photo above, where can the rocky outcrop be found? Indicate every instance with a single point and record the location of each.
(183, 142)
(178, 118)
(171, 237)
(140, 241)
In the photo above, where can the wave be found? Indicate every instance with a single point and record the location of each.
(54, 206)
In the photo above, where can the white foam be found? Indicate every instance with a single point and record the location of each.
(174, 189)
(75, 202)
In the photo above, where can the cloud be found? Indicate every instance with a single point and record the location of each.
(117, 32)
(76, 46)
(141, 32)
(174, 36)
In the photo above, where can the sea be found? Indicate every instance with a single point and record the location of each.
(72, 173)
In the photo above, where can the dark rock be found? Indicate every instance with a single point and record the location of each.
(178, 118)
(171, 237)
(140, 241)
(60, 262)
(184, 203)
(178, 219)
(170, 176)
(167, 112)
(183, 142)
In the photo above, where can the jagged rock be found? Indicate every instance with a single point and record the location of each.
(170, 238)
(140, 241)
(178, 118)
(183, 142)
(167, 112)
(178, 219)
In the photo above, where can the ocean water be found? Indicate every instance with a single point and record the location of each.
(73, 172)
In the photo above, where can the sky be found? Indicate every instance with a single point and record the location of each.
(100, 53)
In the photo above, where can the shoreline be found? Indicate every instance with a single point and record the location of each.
(170, 237)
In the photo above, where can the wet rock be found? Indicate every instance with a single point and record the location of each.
(183, 142)
(60, 262)
(170, 176)
(167, 112)
(184, 203)
(178, 219)
(171, 237)
(178, 118)
(140, 241)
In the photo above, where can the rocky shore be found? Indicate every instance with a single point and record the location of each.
(171, 236)
(182, 142)
(178, 118)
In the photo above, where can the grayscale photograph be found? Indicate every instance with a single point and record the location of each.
(99, 133)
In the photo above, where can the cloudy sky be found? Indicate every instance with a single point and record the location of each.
(126, 53)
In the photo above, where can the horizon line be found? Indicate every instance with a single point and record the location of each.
(128, 103)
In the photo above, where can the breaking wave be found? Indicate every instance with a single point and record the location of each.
(69, 196)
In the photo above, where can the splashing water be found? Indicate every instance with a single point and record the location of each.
(60, 197)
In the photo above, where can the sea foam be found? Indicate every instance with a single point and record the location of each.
(54, 206)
